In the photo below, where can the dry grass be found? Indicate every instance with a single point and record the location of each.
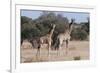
(76, 49)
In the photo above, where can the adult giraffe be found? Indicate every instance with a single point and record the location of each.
(64, 37)
(47, 39)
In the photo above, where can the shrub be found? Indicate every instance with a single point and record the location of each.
(79, 34)
(77, 58)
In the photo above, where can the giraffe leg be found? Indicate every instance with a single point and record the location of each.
(59, 50)
(58, 46)
(21, 42)
(38, 52)
(67, 49)
(49, 48)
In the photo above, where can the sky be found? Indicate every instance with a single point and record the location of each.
(78, 16)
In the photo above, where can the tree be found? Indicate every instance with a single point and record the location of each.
(25, 19)
(41, 26)
(86, 26)
(78, 34)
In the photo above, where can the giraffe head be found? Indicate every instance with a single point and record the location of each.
(53, 26)
(70, 25)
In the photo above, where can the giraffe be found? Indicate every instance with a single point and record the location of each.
(46, 39)
(64, 37)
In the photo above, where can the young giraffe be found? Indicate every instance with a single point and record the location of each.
(47, 39)
(64, 37)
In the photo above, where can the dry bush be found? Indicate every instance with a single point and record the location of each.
(77, 58)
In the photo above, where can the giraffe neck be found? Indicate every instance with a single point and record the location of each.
(67, 31)
(51, 33)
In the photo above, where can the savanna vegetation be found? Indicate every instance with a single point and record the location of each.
(41, 26)
(35, 28)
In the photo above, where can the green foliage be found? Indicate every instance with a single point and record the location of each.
(79, 34)
(25, 19)
(86, 26)
(41, 26)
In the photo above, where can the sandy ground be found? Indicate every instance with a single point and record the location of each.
(78, 50)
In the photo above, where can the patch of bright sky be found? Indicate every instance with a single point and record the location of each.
(78, 16)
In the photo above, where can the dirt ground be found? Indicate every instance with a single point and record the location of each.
(78, 50)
